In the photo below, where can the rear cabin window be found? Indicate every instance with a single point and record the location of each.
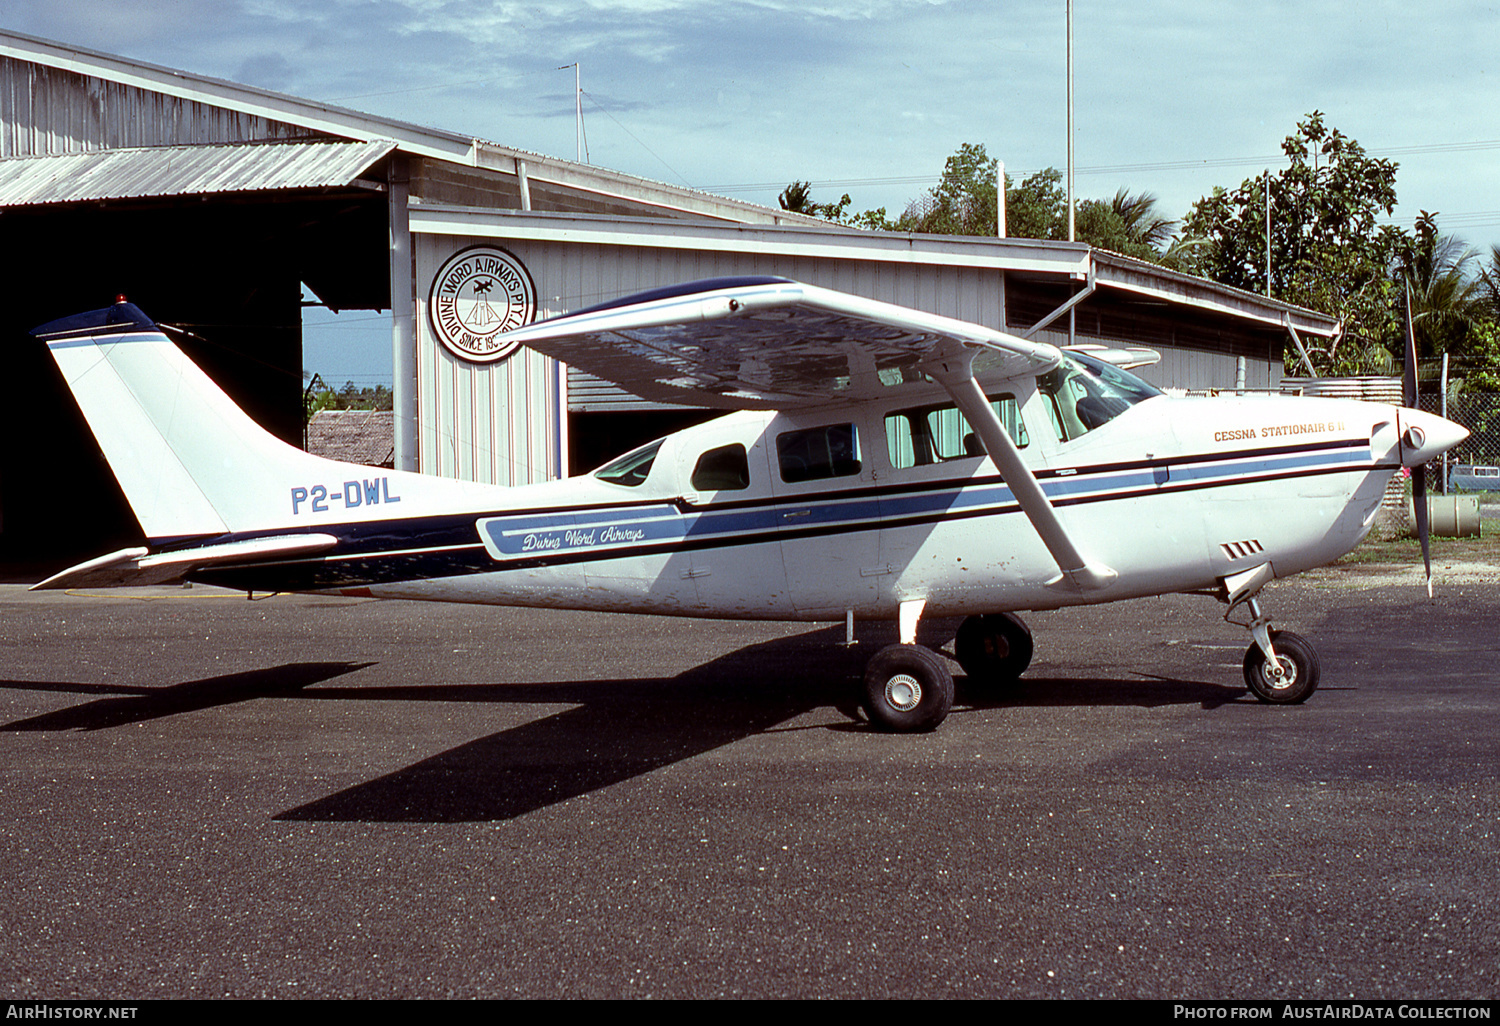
(726, 468)
(818, 453)
(934, 434)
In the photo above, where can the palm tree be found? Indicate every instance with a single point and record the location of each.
(1143, 224)
(1447, 298)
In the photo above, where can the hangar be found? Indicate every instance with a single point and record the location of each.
(210, 204)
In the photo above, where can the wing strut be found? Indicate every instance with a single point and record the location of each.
(954, 371)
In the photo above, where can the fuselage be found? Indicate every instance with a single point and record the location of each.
(862, 506)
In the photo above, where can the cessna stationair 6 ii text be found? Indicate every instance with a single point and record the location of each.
(879, 461)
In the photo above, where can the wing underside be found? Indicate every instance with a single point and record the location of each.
(758, 343)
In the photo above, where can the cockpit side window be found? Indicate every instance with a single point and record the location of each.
(818, 453)
(1083, 393)
(933, 434)
(726, 468)
(632, 469)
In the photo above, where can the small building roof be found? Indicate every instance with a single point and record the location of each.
(354, 436)
(290, 115)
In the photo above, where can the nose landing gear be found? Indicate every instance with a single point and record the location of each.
(1281, 667)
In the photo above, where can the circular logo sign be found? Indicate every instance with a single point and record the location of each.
(479, 294)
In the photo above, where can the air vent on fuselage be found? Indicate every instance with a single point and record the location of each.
(1241, 549)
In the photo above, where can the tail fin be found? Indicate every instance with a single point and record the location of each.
(190, 462)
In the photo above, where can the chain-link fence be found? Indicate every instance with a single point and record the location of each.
(1480, 413)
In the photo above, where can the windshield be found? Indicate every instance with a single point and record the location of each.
(631, 469)
(1084, 393)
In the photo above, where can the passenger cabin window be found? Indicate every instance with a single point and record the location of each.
(632, 469)
(818, 453)
(726, 468)
(934, 434)
(1084, 393)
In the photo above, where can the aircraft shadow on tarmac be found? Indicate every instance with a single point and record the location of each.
(129, 704)
(622, 729)
(617, 729)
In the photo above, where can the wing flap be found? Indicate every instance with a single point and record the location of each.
(767, 343)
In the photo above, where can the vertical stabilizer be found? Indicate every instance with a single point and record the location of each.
(189, 461)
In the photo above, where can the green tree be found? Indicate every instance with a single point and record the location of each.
(320, 396)
(965, 202)
(1038, 207)
(1327, 252)
(796, 198)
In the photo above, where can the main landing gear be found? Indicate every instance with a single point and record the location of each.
(908, 687)
(993, 649)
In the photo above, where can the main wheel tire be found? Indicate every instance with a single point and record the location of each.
(993, 649)
(1299, 661)
(907, 688)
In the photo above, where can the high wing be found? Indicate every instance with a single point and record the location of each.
(768, 343)
(747, 343)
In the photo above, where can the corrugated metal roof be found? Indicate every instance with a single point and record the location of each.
(273, 112)
(185, 171)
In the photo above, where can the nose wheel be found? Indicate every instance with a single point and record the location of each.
(1292, 678)
(1281, 667)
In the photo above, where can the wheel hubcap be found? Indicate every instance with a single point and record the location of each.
(1279, 681)
(903, 692)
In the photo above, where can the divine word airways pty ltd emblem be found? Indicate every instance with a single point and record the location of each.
(479, 294)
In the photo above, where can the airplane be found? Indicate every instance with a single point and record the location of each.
(874, 461)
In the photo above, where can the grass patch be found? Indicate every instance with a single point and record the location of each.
(1408, 551)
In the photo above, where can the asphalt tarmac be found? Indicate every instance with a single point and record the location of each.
(204, 796)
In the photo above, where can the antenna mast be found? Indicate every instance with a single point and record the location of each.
(577, 107)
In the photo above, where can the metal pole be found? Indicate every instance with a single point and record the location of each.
(403, 318)
(1268, 233)
(578, 100)
(1443, 392)
(1071, 237)
(1000, 198)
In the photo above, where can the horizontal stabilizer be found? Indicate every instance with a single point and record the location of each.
(137, 567)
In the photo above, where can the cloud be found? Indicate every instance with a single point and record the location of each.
(770, 90)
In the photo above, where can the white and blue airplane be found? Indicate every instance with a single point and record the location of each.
(879, 462)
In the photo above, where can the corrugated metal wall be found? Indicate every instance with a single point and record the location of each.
(1192, 369)
(473, 417)
(497, 423)
(46, 111)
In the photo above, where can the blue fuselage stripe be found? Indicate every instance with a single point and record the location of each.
(447, 546)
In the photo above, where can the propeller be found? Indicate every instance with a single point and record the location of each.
(1415, 439)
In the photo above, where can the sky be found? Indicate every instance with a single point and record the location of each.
(868, 97)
